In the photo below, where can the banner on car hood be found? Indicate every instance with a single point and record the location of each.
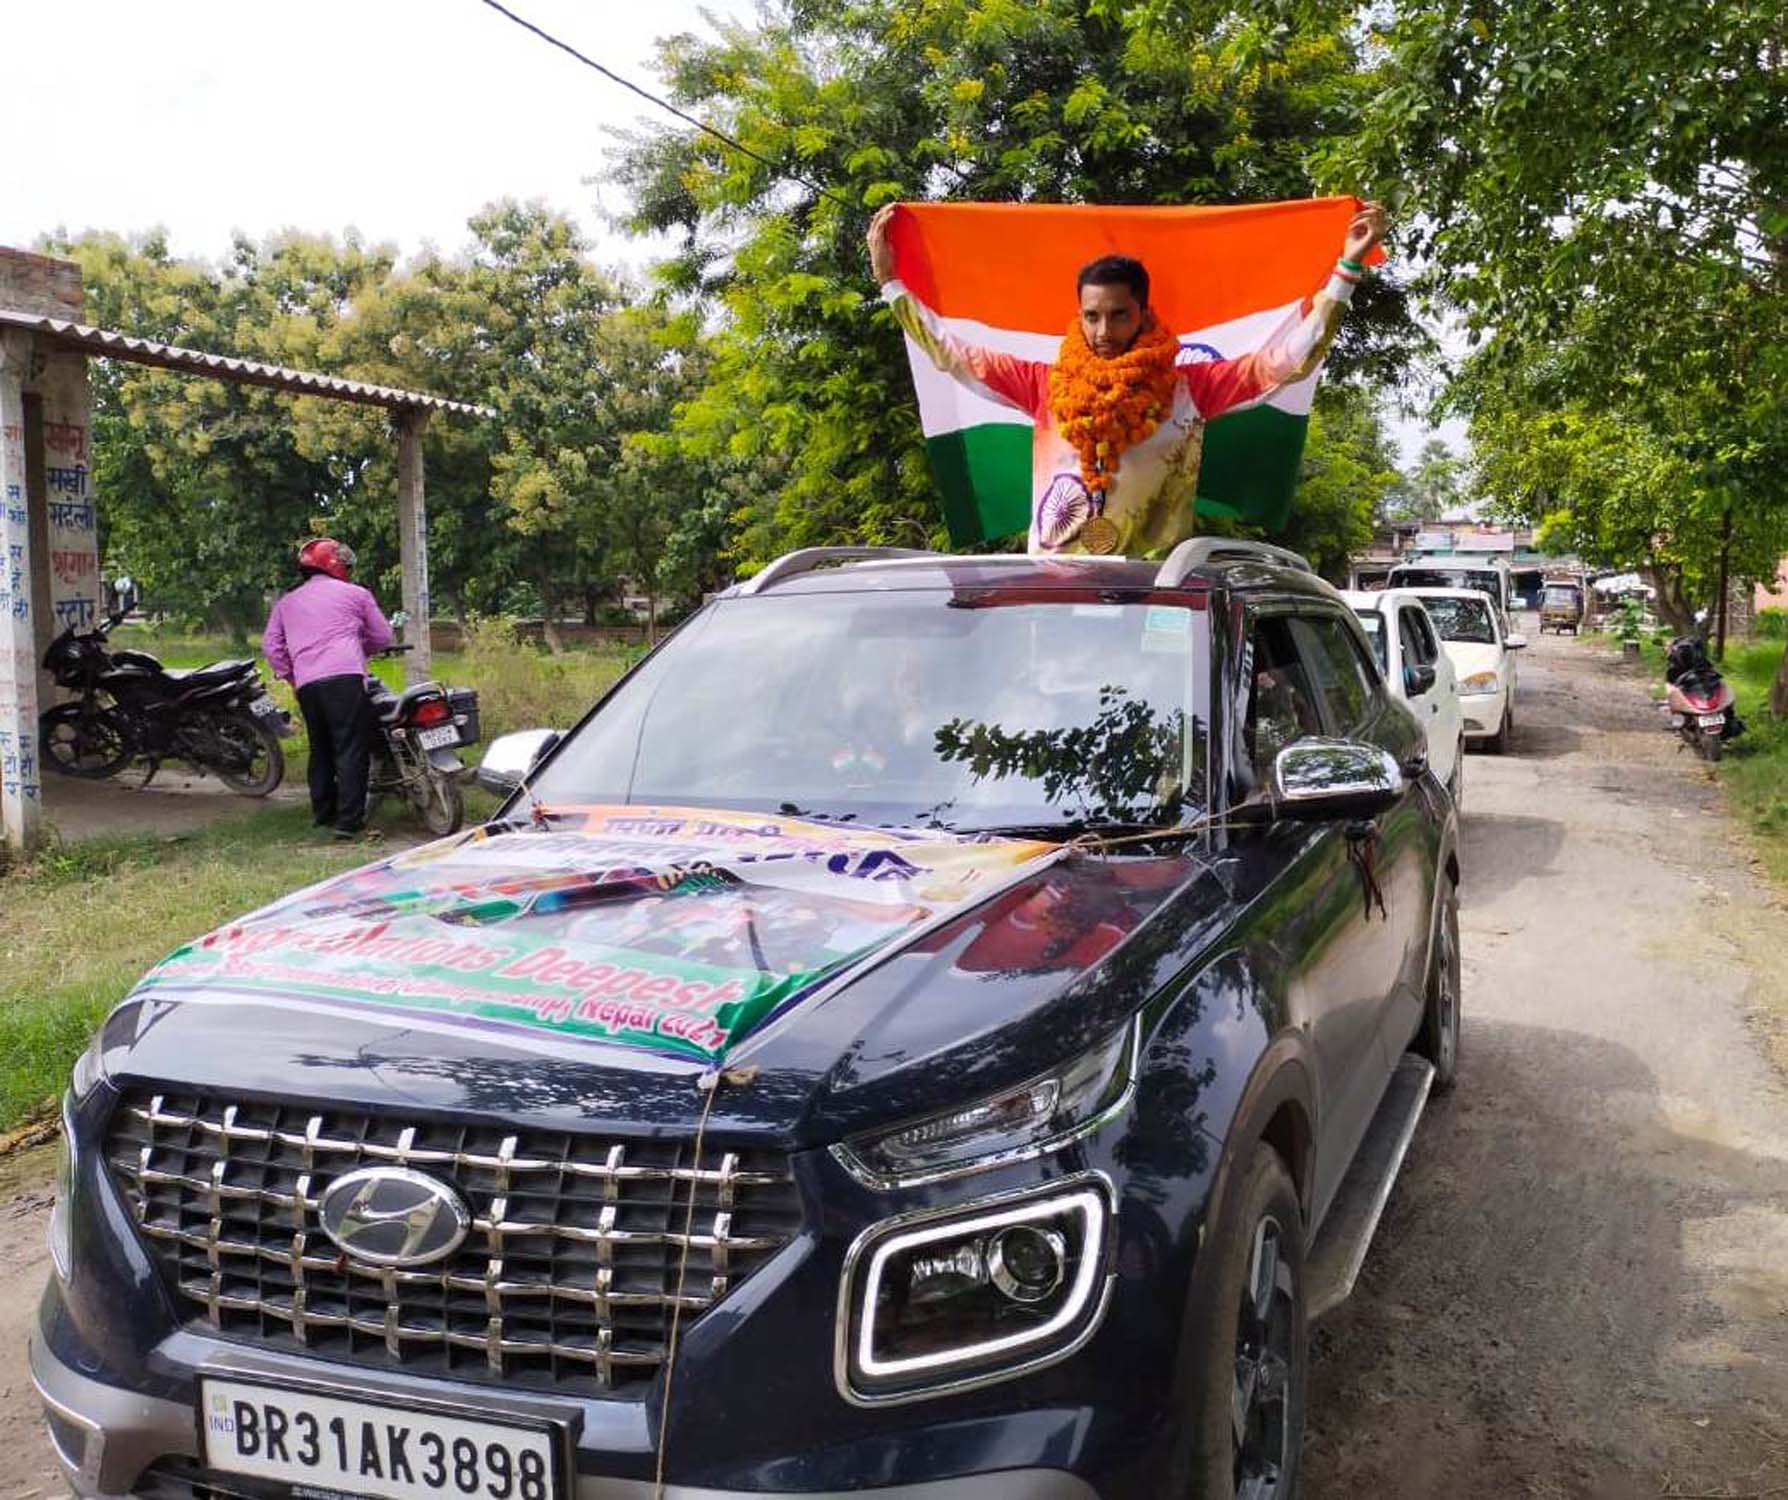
(674, 929)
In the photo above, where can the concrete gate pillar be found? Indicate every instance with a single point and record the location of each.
(21, 795)
(49, 535)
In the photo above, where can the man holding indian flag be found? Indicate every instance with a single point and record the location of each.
(1114, 413)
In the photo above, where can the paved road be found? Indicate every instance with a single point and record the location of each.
(1580, 1287)
(1581, 1284)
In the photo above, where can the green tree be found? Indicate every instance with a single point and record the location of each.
(1601, 190)
(879, 100)
(1347, 472)
(205, 485)
(1433, 487)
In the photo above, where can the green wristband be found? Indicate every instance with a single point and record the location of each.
(1357, 267)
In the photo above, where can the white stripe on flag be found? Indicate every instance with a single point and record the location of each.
(945, 406)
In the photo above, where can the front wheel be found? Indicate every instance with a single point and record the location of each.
(256, 764)
(84, 740)
(1251, 1388)
(439, 802)
(1438, 1040)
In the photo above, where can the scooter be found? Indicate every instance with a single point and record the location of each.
(1701, 704)
(217, 719)
(415, 754)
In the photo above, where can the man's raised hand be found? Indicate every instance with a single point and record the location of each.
(881, 245)
(1364, 233)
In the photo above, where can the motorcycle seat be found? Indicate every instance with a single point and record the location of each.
(217, 671)
(390, 706)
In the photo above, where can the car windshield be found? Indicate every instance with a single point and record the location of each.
(1466, 620)
(1562, 598)
(1373, 622)
(914, 709)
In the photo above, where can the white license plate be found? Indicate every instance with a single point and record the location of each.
(323, 1443)
(263, 706)
(434, 739)
(1713, 721)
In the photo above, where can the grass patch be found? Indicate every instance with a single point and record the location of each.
(1755, 767)
(79, 923)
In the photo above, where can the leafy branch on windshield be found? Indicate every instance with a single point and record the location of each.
(1122, 767)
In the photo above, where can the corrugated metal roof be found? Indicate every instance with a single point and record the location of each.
(225, 367)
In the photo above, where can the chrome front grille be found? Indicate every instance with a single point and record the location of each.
(568, 1275)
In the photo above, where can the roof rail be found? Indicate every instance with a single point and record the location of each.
(806, 559)
(1200, 551)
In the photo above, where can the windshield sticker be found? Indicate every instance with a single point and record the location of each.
(1166, 630)
(673, 929)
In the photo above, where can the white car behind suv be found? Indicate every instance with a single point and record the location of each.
(1472, 634)
(1418, 671)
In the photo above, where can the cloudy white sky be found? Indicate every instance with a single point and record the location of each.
(397, 118)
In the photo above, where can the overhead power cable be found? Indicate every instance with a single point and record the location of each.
(665, 104)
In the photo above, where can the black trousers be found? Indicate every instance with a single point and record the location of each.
(338, 716)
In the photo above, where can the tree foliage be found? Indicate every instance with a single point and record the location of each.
(206, 486)
(1601, 191)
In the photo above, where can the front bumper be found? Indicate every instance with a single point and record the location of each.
(105, 1437)
(1482, 713)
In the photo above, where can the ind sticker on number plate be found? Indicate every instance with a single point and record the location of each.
(674, 929)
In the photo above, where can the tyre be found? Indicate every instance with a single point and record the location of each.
(84, 740)
(1250, 1387)
(440, 804)
(1712, 747)
(1438, 1039)
(258, 762)
(1498, 743)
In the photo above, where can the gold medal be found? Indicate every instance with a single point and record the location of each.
(1099, 536)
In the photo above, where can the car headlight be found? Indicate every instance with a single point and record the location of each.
(61, 1239)
(1040, 1115)
(90, 1068)
(1479, 682)
(944, 1299)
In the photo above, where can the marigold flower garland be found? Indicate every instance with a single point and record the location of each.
(1103, 406)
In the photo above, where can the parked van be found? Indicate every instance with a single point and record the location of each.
(1488, 573)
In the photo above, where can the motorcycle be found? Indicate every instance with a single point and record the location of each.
(217, 718)
(416, 750)
(1701, 704)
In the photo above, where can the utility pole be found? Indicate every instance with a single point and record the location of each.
(1725, 564)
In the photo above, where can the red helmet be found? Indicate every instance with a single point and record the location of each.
(324, 554)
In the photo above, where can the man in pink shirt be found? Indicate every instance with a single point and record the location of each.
(318, 638)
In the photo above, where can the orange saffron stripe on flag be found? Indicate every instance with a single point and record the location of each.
(1012, 265)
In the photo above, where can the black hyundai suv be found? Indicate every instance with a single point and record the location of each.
(904, 1041)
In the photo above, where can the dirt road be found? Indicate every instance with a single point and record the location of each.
(1581, 1284)
(1580, 1287)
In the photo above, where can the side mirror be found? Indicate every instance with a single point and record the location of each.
(124, 590)
(1417, 679)
(1322, 781)
(1514, 643)
(510, 757)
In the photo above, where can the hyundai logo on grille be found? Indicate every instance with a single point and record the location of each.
(392, 1216)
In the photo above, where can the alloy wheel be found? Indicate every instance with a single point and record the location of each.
(1260, 1413)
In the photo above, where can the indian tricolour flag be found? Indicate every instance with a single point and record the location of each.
(1002, 275)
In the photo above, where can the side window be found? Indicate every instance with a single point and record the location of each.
(1418, 645)
(1338, 671)
(1426, 627)
(1282, 705)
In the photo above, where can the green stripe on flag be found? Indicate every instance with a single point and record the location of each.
(1250, 472)
(983, 475)
(1250, 469)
